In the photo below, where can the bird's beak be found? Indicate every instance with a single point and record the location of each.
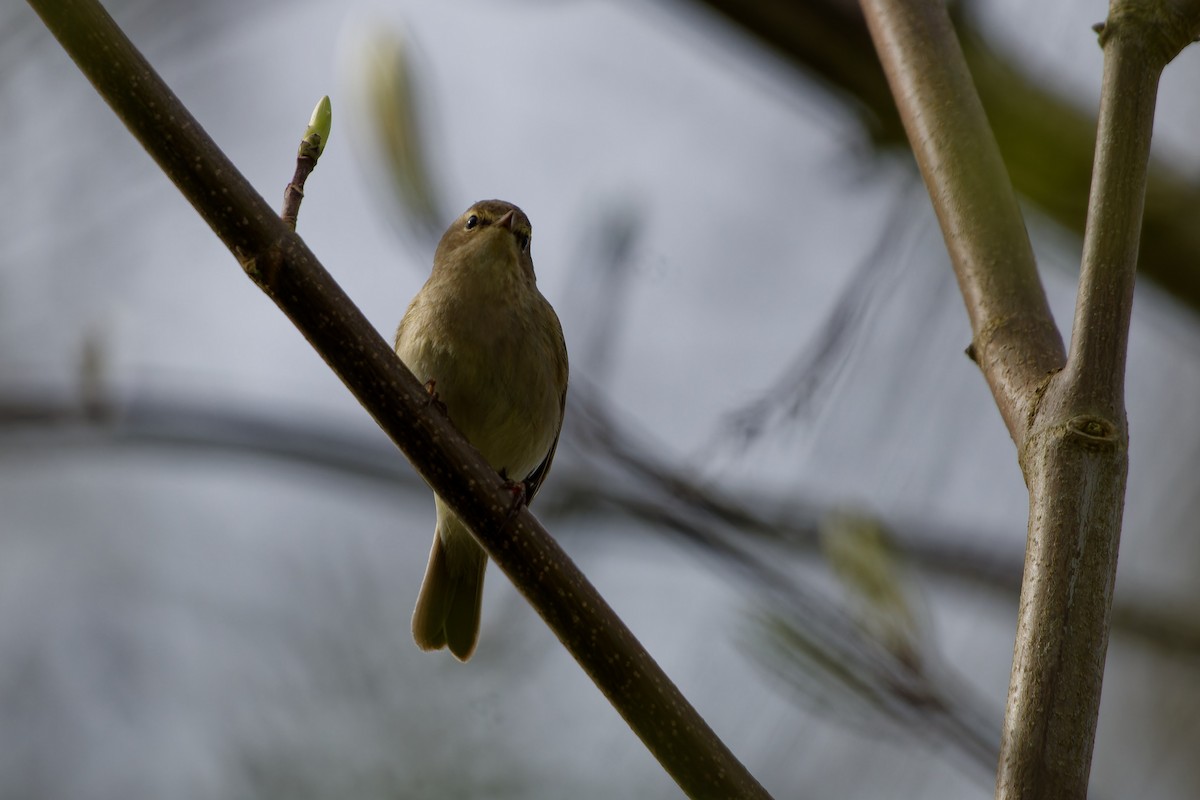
(507, 220)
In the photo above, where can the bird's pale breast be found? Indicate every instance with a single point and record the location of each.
(495, 374)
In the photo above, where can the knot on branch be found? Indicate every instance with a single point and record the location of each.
(1095, 433)
(1087, 435)
(1158, 27)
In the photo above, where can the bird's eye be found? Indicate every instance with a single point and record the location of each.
(472, 221)
(523, 242)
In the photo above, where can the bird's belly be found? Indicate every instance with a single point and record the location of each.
(503, 400)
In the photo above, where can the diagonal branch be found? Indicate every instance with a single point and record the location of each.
(1015, 341)
(283, 267)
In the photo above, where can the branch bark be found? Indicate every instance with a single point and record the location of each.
(278, 261)
(1076, 459)
(1066, 414)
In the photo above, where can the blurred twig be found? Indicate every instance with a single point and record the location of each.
(795, 392)
(1046, 139)
(914, 693)
(600, 279)
(399, 123)
(168, 420)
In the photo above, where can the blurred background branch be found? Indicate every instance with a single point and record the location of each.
(1046, 138)
(610, 460)
(806, 634)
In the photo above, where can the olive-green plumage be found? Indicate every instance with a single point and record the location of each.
(491, 347)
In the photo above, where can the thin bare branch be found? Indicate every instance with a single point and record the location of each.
(1135, 54)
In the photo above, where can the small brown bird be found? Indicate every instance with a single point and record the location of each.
(490, 347)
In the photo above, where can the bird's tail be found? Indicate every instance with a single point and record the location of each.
(448, 607)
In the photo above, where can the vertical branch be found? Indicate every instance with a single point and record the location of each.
(1075, 469)
(1132, 66)
(1076, 456)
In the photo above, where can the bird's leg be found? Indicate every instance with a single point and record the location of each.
(519, 498)
(434, 400)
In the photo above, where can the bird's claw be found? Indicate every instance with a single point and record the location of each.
(434, 400)
(520, 498)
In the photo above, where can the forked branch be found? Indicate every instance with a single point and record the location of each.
(1065, 414)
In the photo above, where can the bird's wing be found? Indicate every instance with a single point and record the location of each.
(533, 481)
